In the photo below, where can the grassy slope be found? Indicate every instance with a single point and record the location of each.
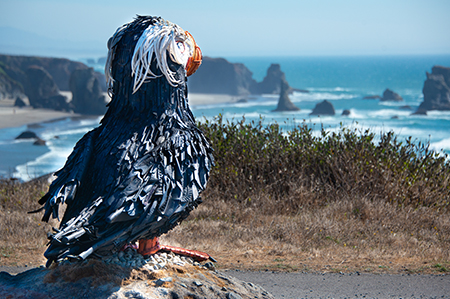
(293, 201)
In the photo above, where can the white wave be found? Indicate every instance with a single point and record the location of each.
(91, 121)
(443, 144)
(338, 88)
(439, 114)
(47, 163)
(355, 114)
(393, 104)
(265, 102)
(77, 131)
(270, 95)
(320, 96)
(388, 113)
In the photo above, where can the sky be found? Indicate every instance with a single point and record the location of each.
(247, 28)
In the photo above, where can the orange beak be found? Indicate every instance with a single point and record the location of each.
(195, 60)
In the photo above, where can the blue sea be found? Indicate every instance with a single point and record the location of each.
(343, 81)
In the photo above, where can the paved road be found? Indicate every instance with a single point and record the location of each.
(310, 285)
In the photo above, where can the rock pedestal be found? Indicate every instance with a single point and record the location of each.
(161, 276)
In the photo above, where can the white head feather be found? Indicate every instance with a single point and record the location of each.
(158, 39)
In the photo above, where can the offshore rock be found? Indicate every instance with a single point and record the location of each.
(436, 90)
(39, 142)
(42, 91)
(88, 97)
(27, 135)
(346, 112)
(389, 95)
(323, 108)
(271, 82)
(284, 103)
(168, 276)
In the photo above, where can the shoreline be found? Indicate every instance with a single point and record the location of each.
(11, 116)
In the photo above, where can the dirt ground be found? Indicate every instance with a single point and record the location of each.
(267, 260)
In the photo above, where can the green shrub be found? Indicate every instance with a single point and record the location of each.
(252, 158)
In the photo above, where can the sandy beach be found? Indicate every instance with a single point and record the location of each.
(11, 116)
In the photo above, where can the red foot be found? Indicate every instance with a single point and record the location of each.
(152, 246)
(149, 246)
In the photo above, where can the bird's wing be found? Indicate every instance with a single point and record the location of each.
(161, 173)
(64, 187)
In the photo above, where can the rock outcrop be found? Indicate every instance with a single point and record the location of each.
(323, 108)
(87, 95)
(284, 103)
(42, 91)
(31, 135)
(219, 76)
(389, 95)
(97, 279)
(436, 90)
(346, 112)
(27, 135)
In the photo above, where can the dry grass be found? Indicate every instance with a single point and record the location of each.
(22, 235)
(352, 234)
(293, 202)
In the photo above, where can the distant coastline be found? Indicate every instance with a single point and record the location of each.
(11, 116)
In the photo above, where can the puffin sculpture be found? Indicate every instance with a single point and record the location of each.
(139, 173)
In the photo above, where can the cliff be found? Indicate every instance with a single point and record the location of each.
(60, 69)
(40, 79)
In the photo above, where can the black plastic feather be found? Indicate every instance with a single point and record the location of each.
(139, 173)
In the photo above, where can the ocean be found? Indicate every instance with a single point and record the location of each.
(344, 81)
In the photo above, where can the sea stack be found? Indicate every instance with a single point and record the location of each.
(284, 103)
(436, 90)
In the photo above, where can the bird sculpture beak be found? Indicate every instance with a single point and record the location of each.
(195, 60)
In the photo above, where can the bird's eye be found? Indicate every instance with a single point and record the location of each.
(181, 46)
